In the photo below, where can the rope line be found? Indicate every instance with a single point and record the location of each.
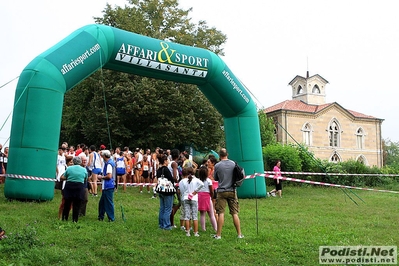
(266, 175)
(330, 174)
(325, 184)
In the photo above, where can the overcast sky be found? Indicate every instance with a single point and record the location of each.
(352, 44)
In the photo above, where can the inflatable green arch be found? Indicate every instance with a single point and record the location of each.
(42, 84)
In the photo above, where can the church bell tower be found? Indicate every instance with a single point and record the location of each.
(310, 90)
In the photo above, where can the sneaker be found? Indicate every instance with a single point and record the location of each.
(196, 234)
(95, 195)
(174, 226)
(188, 233)
(240, 236)
(153, 197)
(216, 237)
(141, 191)
(183, 228)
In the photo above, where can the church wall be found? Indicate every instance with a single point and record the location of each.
(320, 144)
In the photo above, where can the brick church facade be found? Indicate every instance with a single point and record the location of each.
(329, 130)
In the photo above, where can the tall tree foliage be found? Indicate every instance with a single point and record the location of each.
(391, 153)
(141, 111)
(267, 129)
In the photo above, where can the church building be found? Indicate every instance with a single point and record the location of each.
(329, 130)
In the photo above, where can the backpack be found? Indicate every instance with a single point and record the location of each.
(238, 175)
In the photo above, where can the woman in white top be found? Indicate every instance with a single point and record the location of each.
(61, 163)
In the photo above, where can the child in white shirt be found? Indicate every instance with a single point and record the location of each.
(189, 188)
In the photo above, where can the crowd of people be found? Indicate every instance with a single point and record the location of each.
(205, 190)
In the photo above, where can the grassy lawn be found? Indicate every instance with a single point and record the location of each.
(285, 231)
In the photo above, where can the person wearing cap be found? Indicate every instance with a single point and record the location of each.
(106, 203)
(75, 177)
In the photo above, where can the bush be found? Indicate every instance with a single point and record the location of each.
(309, 163)
(299, 159)
(288, 155)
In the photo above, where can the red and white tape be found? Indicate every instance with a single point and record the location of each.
(137, 184)
(321, 183)
(29, 177)
(266, 175)
(330, 174)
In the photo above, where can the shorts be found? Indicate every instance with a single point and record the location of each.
(120, 172)
(190, 210)
(145, 174)
(229, 197)
(278, 186)
(96, 171)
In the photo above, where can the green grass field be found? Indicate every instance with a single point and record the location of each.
(285, 231)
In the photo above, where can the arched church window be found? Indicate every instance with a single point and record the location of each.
(362, 159)
(307, 134)
(300, 90)
(335, 158)
(334, 134)
(359, 138)
(316, 89)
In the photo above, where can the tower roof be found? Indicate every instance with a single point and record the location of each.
(300, 77)
(300, 106)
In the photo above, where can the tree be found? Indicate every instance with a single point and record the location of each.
(267, 129)
(126, 109)
(390, 153)
(287, 154)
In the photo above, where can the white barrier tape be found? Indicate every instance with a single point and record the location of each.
(322, 183)
(30, 177)
(331, 174)
(138, 184)
(266, 174)
(133, 184)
